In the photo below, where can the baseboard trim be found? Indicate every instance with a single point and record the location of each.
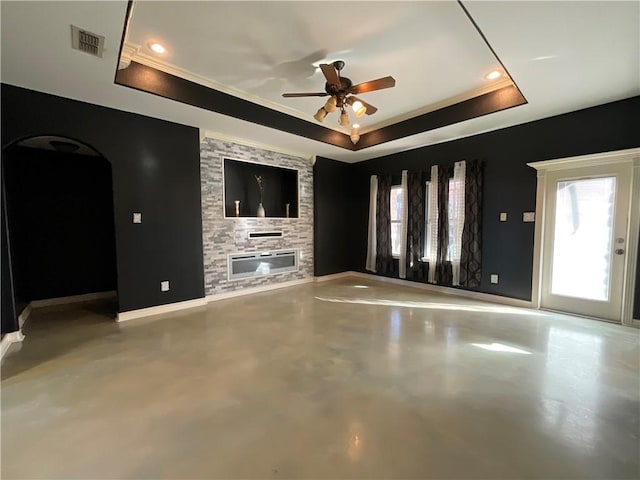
(485, 297)
(24, 315)
(8, 339)
(85, 297)
(260, 289)
(159, 309)
(333, 276)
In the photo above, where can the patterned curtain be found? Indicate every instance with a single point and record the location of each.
(384, 258)
(471, 256)
(444, 270)
(416, 269)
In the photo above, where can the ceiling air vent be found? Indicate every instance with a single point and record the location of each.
(86, 41)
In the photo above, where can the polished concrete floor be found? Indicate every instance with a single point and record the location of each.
(325, 380)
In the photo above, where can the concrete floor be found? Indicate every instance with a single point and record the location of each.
(324, 381)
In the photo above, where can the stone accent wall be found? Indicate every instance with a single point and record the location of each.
(223, 236)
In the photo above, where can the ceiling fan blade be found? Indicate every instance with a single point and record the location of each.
(315, 94)
(370, 108)
(330, 74)
(378, 84)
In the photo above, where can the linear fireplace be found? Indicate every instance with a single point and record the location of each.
(248, 265)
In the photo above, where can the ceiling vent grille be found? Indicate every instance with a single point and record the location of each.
(86, 41)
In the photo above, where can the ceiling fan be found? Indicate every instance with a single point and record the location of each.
(341, 91)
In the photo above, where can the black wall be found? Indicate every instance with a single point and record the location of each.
(332, 216)
(60, 211)
(156, 171)
(510, 185)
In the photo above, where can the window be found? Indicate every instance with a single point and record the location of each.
(456, 214)
(455, 219)
(396, 200)
(430, 223)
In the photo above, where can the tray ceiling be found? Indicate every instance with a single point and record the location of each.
(259, 50)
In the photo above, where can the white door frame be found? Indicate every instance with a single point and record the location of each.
(630, 157)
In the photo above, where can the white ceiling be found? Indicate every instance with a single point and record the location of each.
(277, 46)
(563, 55)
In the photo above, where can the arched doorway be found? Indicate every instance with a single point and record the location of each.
(58, 201)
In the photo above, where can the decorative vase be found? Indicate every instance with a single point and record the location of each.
(260, 210)
(237, 202)
(287, 209)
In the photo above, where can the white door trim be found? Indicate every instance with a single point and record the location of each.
(630, 156)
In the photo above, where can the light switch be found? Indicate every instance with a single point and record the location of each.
(494, 278)
(529, 217)
(503, 217)
(164, 286)
(137, 217)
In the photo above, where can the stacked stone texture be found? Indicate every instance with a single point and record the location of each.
(224, 236)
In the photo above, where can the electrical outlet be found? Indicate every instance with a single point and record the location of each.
(503, 217)
(494, 278)
(164, 286)
(529, 217)
(137, 217)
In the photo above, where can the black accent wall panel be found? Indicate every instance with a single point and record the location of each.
(60, 209)
(332, 216)
(148, 79)
(510, 185)
(156, 171)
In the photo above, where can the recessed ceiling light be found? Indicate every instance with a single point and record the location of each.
(493, 75)
(156, 47)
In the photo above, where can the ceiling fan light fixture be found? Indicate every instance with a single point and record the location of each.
(358, 108)
(355, 133)
(331, 104)
(344, 118)
(320, 114)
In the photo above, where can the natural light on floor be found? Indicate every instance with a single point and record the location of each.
(498, 347)
(432, 305)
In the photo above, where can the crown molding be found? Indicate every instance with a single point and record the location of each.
(476, 92)
(132, 52)
(631, 155)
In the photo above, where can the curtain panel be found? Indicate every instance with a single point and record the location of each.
(444, 271)
(471, 255)
(416, 268)
(371, 241)
(384, 258)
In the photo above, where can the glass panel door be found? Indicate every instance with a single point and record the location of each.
(586, 212)
(582, 238)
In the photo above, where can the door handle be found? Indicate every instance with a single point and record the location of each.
(619, 251)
